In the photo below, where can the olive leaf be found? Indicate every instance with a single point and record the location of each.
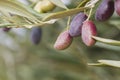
(6, 24)
(112, 63)
(11, 7)
(30, 10)
(18, 8)
(63, 14)
(107, 41)
(40, 24)
(107, 46)
(23, 15)
(59, 3)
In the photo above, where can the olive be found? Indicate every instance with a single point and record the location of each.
(117, 7)
(36, 34)
(105, 10)
(44, 6)
(63, 41)
(88, 30)
(76, 24)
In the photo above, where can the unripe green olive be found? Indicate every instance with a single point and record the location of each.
(44, 6)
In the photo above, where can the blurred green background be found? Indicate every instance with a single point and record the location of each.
(22, 60)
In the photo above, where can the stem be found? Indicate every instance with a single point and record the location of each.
(82, 3)
(90, 13)
(68, 22)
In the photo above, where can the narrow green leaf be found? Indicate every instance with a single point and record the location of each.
(96, 64)
(63, 14)
(59, 3)
(110, 63)
(40, 24)
(6, 25)
(30, 10)
(16, 8)
(107, 46)
(107, 41)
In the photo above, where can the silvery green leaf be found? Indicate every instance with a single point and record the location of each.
(12, 7)
(63, 14)
(59, 3)
(107, 46)
(111, 63)
(107, 41)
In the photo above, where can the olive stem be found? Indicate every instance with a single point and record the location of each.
(90, 13)
(82, 3)
(68, 22)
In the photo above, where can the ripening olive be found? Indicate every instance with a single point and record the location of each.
(63, 41)
(36, 34)
(88, 30)
(105, 10)
(76, 24)
(117, 7)
(5, 29)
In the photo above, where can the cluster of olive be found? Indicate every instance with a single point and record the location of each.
(81, 26)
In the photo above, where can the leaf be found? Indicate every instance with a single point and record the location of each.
(30, 10)
(112, 63)
(6, 24)
(18, 9)
(40, 24)
(20, 20)
(63, 14)
(107, 41)
(107, 46)
(59, 3)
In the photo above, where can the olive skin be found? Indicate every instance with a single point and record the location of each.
(36, 34)
(63, 41)
(88, 30)
(105, 10)
(5, 29)
(44, 6)
(76, 24)
(117, 7)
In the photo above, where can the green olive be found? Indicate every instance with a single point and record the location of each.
(44, 6)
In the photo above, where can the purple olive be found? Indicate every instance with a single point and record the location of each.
(36, 34)
(105, 10)
(5, 29)
(76, 24)
(117, 7)
(88, 30)
(63, 41)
